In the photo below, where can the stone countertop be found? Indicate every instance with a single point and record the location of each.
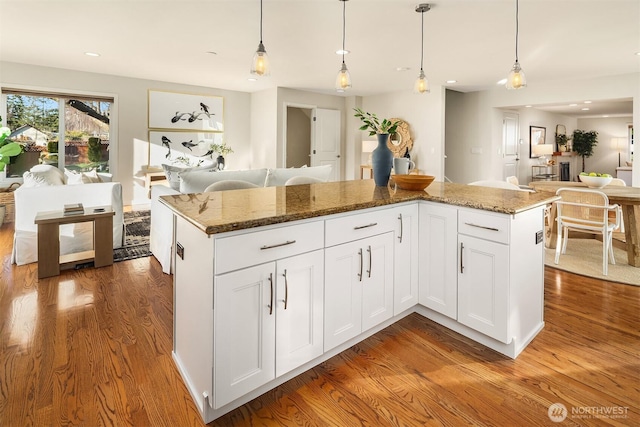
(224, 211)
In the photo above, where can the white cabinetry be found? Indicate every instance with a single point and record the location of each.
(438, 258)
(268, 321)
(405, 287)
(358, 287)
(268, 317)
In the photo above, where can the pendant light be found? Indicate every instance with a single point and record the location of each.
(422, 84)
(343, 81)
(516, 78)
(260, 63)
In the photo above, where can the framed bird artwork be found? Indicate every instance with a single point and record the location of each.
(181, 111)
(171, 146)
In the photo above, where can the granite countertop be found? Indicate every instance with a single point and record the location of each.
(223, 211)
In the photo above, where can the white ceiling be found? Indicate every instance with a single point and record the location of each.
(471, 41)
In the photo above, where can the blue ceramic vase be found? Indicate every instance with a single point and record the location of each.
(382, 161)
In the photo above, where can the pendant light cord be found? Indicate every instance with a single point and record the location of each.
(344, 25)
(260, 21)
(422, 45)
(517, 29)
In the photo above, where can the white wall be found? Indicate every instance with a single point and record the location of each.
(480, 113)
(605, 156)
(264, 130)
(425, 115)
(132, 116)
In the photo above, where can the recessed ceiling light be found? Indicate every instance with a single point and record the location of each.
(638, 53)
(606, 115)
(252, 79)
(587, 102)
(528, 106)
(402, 68)
(92, 54)
(340, 90)
(501, 82)
(452, 81)
(585, 109)
(342, 52)
(572, 105)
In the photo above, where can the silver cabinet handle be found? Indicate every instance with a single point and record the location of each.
(360, 227)
(286, 289)
(277, 245)
(461, 252)
(370, 267)
(271, 297)
(361, 262)
(401, 228)
(481, 226)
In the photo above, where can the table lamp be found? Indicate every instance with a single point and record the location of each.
(543, 150)
(368, 147)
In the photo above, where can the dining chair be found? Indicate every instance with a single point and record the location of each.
(618, 182)
(514, 180)
(586, 211)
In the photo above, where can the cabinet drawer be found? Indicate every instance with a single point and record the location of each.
(488, 226)
(353, 227)
(235, 252)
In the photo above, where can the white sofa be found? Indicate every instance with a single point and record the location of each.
(73, 237)
(196, 181)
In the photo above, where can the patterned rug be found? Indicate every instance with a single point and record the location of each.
(136, 224)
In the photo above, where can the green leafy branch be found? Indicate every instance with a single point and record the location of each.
(374, 125)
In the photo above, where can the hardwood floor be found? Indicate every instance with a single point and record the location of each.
(93, 347)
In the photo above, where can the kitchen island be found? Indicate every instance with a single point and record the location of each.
(269, 282)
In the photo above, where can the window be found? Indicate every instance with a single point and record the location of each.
(38, 119)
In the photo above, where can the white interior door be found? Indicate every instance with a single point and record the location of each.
(325, 144)
(510, 145)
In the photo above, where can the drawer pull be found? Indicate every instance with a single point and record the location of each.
(277, 245)
(461, 262)
(286, 289)
(360, 227)
(370, 267)
(361, 262)
(401, 228)
(271, 297)
(470, 224)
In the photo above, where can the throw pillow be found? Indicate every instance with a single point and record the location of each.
(42, 175)
(280, 176)
(198, 181)
(76, 178)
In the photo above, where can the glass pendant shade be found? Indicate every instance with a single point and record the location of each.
(422, 84)
(260, 63)
(516, 78)
(343, 81)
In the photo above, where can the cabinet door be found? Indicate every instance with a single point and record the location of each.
(343, 273)
(244, 344)
(405, 269)
(439, 258)
(299, 310)
(483, 286)
(377, 285)
(193, 308)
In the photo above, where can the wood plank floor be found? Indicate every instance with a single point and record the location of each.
(92, 347)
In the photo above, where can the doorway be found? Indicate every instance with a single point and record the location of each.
(298, 147)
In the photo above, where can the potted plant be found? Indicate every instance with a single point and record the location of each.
(562, 140)
(222, 150)
(584, 143)
(382, 157)
(7, 150)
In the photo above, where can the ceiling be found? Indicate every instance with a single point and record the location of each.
(471, 41)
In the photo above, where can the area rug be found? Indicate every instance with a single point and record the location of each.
(584, 257)
(136, 245)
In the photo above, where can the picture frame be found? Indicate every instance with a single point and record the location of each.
(166, 146)
(537, 135)
(180, 111)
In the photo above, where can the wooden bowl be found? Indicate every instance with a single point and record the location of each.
(413, 182)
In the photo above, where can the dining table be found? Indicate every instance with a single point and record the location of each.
(628, 198)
